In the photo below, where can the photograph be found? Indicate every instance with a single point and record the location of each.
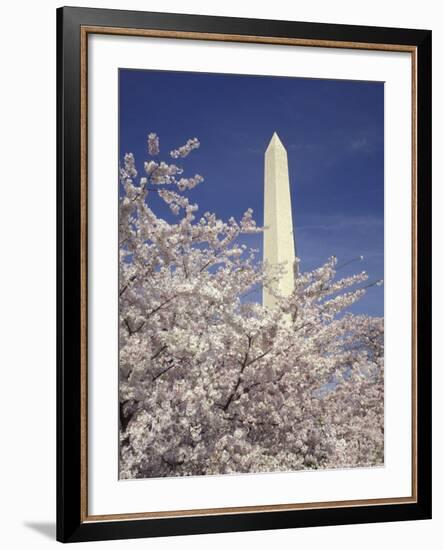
(251, 273)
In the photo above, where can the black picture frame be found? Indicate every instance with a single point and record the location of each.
(72, 526)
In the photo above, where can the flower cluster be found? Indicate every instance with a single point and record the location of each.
(185, 149)
(211, 383)
(153, 144)
(189, 183)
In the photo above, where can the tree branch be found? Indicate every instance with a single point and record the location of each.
(154, 378)
(157, 353)
(127, 284)
(133, 331)
(244, 364)
(161, 305)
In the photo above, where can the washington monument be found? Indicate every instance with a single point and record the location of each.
(278, 239)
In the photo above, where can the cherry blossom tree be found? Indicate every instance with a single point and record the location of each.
(211, 383)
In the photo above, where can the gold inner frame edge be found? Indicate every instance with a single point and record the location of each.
(84, 32)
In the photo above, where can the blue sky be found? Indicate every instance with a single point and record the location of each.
(333, 131)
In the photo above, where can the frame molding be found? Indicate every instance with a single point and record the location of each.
(73, 521)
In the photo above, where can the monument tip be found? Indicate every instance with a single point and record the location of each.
(275, 140)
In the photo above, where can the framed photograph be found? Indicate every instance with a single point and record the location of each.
(244, 274)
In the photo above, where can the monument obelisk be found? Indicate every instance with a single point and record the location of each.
(278, 239)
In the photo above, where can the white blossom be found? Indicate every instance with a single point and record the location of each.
(153, 144)
(185, 149)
